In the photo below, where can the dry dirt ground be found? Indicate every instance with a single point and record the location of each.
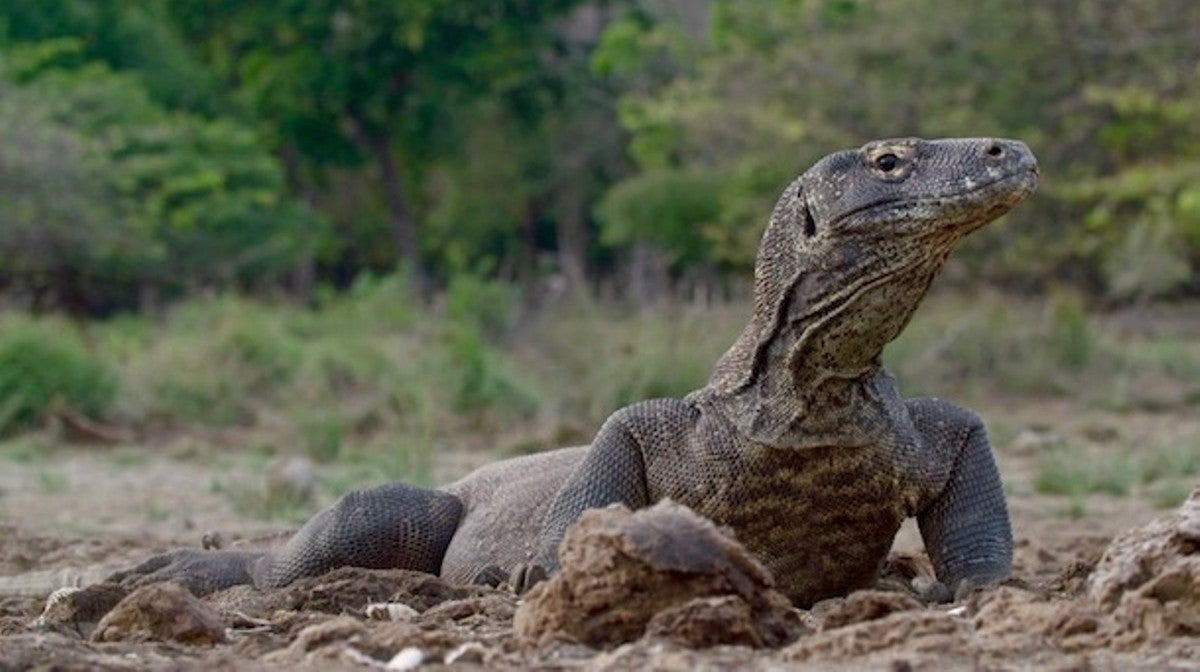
(81, 507)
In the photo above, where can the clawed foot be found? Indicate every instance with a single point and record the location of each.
(522, 578)
(526, 576)
(201, 572)
(935, 592)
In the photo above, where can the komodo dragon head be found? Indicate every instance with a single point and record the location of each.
(851, 248)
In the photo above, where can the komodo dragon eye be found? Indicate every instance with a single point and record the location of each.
(887, 162)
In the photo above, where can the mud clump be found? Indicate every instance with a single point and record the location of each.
(862, 606)
(1149, 578)
(79, 610)
(161, 612)
(662, 571)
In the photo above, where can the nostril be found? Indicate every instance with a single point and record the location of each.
(994, 150)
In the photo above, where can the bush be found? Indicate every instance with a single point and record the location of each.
(39, 367)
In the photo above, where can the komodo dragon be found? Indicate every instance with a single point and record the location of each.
(800, 441)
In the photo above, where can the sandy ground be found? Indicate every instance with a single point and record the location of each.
(68, 508)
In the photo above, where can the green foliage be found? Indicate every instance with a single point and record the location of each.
(775, 84)
(671, 209)
(136, 37)
(1074, 474)
(151, 197)
(161, 148)
(342, 84)
(1168, 470)
(1070, 332)
(593, 359)
(475, 309)
(57, 218)
(41, 365)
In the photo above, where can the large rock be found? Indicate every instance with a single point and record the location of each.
(665, 567)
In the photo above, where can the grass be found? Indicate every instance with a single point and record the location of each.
(44, 363)
(367, 364)
(374, 384)
(1164, 473)
(1073, 473)
(50, 481)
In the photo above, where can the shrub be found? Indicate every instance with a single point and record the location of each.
(41, 366)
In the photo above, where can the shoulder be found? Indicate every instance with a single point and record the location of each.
(659, 412)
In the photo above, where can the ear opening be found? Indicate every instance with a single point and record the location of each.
(810, 224)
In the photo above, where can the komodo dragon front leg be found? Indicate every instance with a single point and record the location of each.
(965, 525)
(394, 525)
(960, 506)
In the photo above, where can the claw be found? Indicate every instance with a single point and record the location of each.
(526, 576)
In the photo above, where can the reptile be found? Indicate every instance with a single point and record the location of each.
(799, 442)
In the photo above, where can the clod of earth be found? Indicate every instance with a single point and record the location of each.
(161, 612)
(1149, 578)
(662, 571)
(80, 609)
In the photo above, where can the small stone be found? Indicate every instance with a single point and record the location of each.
(1033, 441)
(469, 652)
(408, 658)
(391, 611)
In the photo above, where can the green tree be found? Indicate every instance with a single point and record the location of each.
(57, 216)
(136, 37)
(341, 82)
(162, 201)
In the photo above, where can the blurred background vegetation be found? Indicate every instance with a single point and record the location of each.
(159, 149)
(355, 219)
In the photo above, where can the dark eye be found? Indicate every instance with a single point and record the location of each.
(887, 162)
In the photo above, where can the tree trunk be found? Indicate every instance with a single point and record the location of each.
(404, 228)
(648, 278)
(302, 279)
(378, 142)
(572, 237)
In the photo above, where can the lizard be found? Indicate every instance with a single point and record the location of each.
(800, 441)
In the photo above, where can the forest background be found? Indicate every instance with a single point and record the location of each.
(374, 220)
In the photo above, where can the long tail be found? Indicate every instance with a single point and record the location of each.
(42, 583)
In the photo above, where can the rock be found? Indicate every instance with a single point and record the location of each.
(1149, 577)
(161, 612)
(620, 570)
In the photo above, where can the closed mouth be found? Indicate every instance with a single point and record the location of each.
(1018, 176)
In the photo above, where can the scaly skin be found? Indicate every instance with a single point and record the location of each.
(800, 442)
